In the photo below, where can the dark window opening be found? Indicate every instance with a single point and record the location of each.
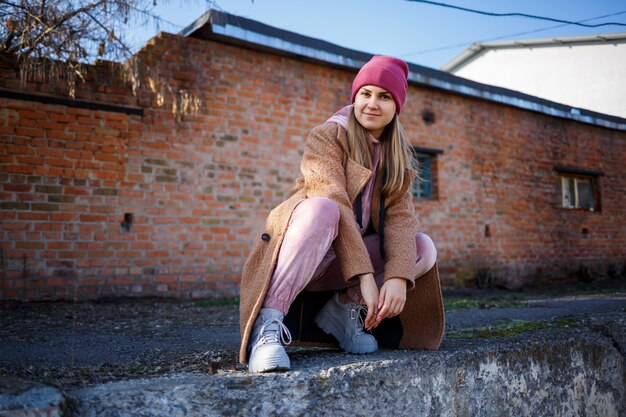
(425, 159)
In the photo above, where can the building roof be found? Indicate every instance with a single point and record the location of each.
(475, 50)
(235, 30)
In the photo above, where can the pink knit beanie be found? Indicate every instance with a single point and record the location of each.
(384, 72)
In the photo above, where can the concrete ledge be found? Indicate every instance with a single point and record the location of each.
(21, 398)
(554, 372)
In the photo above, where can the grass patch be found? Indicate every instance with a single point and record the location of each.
(217, 303)
(493, 302)
(512, 328)
(594, 291)
(503, 299)
(140, 370)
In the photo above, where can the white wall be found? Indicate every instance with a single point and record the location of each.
(591, 77)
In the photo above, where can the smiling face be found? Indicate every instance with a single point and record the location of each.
(374, 109)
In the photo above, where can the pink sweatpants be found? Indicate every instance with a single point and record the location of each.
(307, 261)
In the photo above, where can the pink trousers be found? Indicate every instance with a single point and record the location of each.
(307, 261)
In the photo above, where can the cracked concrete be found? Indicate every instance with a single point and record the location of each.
(564, 372)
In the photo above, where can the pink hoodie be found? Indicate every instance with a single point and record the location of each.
(341, 118)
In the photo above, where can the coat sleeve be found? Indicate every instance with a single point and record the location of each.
(323, 168)
(400, 230)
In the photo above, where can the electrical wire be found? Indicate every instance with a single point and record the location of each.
(458, 45)
(531, 16)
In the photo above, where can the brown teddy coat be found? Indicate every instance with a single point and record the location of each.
(329, 172)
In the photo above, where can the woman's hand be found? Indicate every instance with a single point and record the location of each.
(369, 292)
(391, 299)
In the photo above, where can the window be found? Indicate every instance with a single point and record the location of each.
(576, 193)
(579, 189)
(424, 186)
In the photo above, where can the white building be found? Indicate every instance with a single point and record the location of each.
(587, 72)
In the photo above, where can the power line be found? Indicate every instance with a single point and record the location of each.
(445, 48)
(531, 16)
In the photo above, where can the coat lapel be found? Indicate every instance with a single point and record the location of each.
(357, 177)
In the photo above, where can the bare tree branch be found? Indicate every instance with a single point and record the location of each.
(49, 29)
(57, 39)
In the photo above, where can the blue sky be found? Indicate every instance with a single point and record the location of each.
(410, 30)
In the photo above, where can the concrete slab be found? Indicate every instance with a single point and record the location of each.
(22, 398)
(564, 372)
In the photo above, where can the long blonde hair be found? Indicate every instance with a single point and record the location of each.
(396, 155)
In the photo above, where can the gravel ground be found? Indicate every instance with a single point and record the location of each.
(72, 345)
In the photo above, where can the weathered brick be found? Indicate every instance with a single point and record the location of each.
(61, 198)
(23, 131)
(9, 205)
(44, 207)
(165, 178)
(17, 187)
(105, 191)
(200, 189)
(33, 216)
(30, 114)
(6, 215)
(48, 189)
(29, 245)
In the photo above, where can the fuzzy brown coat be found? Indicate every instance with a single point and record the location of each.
(329, 172)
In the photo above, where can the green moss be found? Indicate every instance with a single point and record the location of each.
(465, 275)
(217, 303)
(511, 328)
(141, 369)
(594, 291)
(519, 299)
(491, 302)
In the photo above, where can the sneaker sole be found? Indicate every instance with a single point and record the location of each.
(277, 368)
(269, 364)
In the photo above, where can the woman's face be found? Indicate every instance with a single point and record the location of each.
(374, 109)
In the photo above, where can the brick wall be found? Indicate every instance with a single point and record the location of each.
(197, 190)
(499, 209)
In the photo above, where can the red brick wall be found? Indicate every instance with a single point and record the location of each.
(498, 171)
(198, 189)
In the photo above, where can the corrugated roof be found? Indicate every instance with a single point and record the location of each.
(235, 30)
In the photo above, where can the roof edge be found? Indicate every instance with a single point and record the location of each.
(467, 55)
(235, 30)
(475, 50)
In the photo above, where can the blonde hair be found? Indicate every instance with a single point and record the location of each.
(396, 155)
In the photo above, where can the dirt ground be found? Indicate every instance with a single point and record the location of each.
(70, 345)
(73, 344)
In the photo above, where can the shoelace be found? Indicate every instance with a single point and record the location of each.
(357, 311)
(273, 336)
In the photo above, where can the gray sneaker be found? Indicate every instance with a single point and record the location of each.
(266, 349)
(344, 321)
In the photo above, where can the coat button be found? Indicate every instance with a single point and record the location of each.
(265, 237)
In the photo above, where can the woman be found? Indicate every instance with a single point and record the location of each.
(348, 226)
